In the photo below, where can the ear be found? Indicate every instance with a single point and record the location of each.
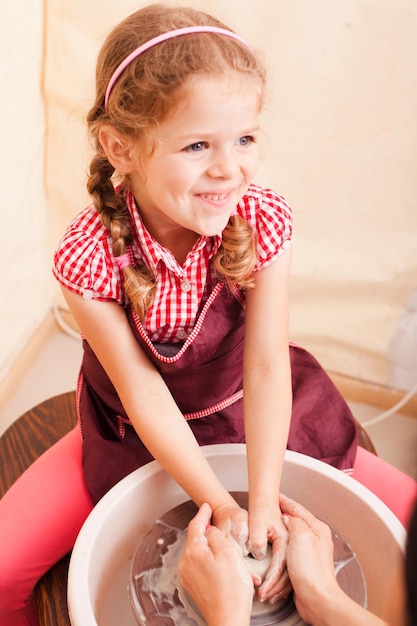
(118, 149)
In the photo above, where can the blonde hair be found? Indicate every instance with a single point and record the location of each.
(141, 98)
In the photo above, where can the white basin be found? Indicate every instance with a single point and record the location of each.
(106, 544)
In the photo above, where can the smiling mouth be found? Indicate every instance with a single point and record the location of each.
(216, 197)
(212, 197)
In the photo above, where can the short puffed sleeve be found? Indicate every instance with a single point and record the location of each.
(83, 261)
(271, 218)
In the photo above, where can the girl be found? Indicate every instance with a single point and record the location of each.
(177, 276)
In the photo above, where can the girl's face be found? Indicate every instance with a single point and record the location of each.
(202, 158)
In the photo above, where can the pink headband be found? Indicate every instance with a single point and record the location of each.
(156, 40)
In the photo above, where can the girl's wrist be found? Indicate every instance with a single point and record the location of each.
(223, 503)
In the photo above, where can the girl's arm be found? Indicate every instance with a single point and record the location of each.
(153, 412)
(267, 410)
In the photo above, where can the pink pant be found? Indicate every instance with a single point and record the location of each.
(41, 515)
(397, 490)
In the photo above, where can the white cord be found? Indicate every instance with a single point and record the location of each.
(56, 310)
(392, 410)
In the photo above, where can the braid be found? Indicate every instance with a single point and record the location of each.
(139, 283)
(236, 256)
(140, 287)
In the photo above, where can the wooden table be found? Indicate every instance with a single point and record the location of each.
(26, 439)
(22, 443)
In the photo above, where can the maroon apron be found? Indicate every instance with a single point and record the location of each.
(205, 379)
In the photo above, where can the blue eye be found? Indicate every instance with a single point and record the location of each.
(198, 146)
(246, 140)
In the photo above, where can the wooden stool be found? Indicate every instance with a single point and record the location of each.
(364, 439)
(26, 439)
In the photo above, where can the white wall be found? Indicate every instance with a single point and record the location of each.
(342, 148)
(25, 287)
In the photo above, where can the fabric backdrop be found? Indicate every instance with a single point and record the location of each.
(341, 146)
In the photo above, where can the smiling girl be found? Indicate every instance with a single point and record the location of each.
(177, 276)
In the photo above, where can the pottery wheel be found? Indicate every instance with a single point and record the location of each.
(157, 598)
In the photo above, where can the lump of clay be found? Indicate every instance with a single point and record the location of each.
(260, 567)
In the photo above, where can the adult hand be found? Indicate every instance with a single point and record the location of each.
(214, 573)
(317, 595)
(309, 560)
(266, 526)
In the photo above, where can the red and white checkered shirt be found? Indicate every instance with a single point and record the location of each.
(84, 261)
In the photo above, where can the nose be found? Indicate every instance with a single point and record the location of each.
(224, 164)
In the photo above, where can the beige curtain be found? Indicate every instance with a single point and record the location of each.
(342, 148)
(23, 251)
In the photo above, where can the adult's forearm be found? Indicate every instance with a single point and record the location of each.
(336, 609)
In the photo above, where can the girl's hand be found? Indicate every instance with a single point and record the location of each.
(233, 522)
(215, 575)
(266, 526)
